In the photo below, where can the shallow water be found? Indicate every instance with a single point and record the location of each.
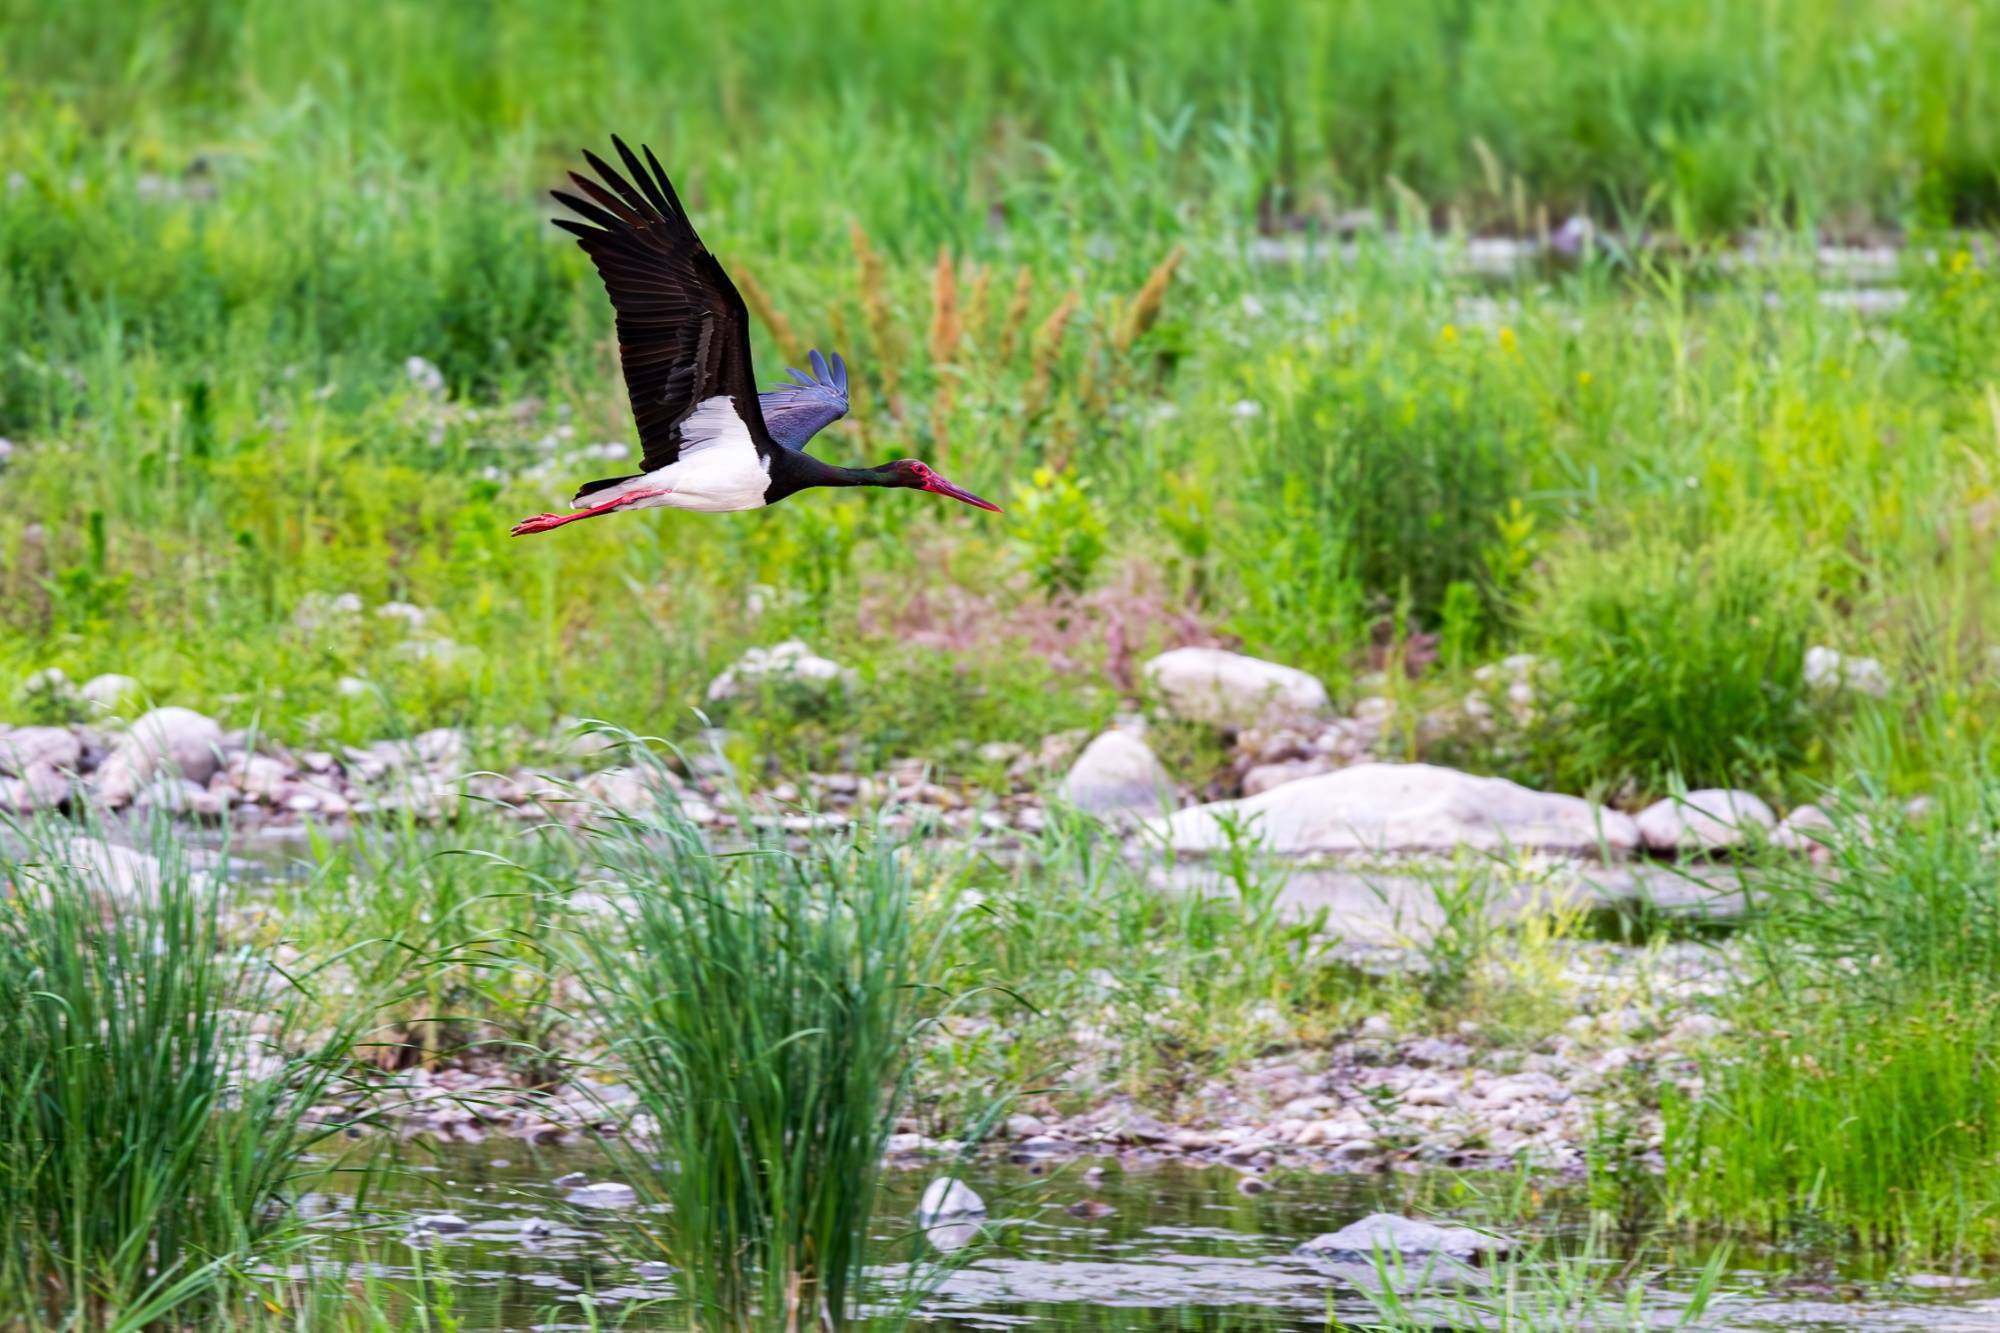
(1179, 1248)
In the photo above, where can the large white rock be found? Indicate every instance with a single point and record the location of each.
(1233, 691)
(1117, 775)
(1704, 821)
(790, 660)
(24, 748)
(1405, 808)
(178, 737)
(176, 740)
(1387, 1233)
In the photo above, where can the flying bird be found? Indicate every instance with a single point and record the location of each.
(708, 440)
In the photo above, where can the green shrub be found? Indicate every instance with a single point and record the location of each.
(1675, 662)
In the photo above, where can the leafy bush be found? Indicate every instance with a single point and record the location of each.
(1675, 662)
(1058, 531)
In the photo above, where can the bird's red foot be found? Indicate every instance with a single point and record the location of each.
(542, 523)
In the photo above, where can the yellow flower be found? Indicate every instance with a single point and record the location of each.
(1583, 379)
(1449, 334)
(1961, 261)
(1506, 339)
(1044, 478)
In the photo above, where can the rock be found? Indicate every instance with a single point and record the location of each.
(117, 873)
(1117, 775)
(111, 694)
(1804, 829)
(1702, 821)
(1391, 1234)
(570, 1180)
(176, 739)
(535, 1228)
(1831, 672)
(1405, 808)
(1264, 777)
(24, 748)
(439, 1223)
(788, 661)
(604, 1194)
(41, 787)
(1232, 691)
(946, 1198)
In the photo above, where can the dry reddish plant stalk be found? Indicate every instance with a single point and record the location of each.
(1046, 343)
(1145, 307)
(876, 310)
(946, 326)
(1017, 313)
(975, 302)
(790, 346)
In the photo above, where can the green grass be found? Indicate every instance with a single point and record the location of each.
(1860, 1095)
(1040, 233)
(153, 1085)
(768, 1008)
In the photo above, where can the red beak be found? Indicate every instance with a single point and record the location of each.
(939, 486)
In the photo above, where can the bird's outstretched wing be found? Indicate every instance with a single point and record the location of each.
(798, 411)
(683, 332)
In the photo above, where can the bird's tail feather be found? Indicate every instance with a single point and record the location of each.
(592, 487)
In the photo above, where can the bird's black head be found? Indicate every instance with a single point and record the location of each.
(918, 475)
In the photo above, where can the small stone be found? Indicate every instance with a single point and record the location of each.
(1264, 777)
(604, 1194)
(790, 661)
(1828, 671)
(1232, 691)
(948, 1197)
(1391, 1234)
(1252, 1185)
(1710, 819)
(1117, 775)
(439, 1223)
(111, 694)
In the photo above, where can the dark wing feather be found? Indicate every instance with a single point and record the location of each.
(796, 412)
(683, 332)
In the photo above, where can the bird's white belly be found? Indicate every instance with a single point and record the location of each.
(719, 470)
(713, 482)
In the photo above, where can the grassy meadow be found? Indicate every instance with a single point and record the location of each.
(1194, 293)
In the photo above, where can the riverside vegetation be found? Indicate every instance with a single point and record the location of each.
(1208, 299)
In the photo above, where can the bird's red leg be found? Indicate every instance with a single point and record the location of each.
(543, 522)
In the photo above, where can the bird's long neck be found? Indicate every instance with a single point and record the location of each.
(803, 471)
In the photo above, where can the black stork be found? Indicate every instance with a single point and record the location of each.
(709, 442)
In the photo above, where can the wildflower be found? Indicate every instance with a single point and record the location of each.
(1583, 379)
(1507, 343)
(1449, 335)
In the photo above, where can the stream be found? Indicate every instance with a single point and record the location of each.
(1136, 1245)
